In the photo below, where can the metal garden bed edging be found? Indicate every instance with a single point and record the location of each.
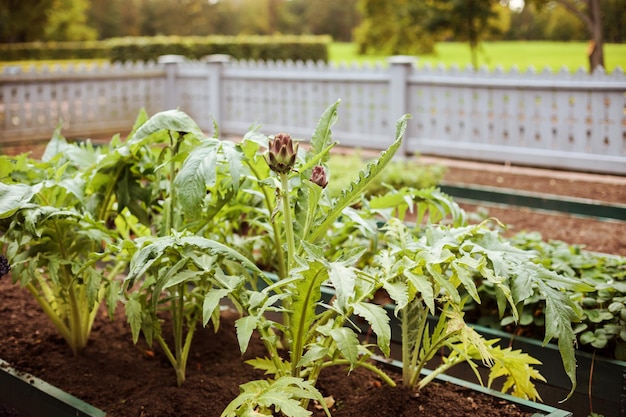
(32, 397)
(549, 202)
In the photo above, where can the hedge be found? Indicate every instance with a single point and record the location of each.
(194, 47)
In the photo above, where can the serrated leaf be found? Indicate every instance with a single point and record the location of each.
(560, 313)
(312, 354)
(13, 197)
(518, 371)
(170, 120)
(343, 279)
(245, 326)
(263, 364)
(378, 319)
(133, 316)
(424, 287)
(283, 394)
(347, 343)
(306, 295)
(361, 182)
(322, 135)
(211, 302)
(399, 293)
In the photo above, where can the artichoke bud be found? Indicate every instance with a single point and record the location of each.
(318, 176)
(281, 155)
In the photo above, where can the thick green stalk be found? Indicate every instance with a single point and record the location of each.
(76, 321)
(108, 194)
(170, 206)
(272, 350)
(441, 369)
(366, 365)
(166, 349)
(282, 273)
(178, 316)
(411, 348)
(49, 311)
(289, 236)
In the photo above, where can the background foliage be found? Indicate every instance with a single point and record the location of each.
(102, 19)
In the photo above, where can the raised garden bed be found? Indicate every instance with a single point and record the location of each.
(125, 380)
(178, 271)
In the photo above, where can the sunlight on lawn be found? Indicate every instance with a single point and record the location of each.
(554, 55)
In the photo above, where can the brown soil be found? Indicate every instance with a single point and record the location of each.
(127, 380)
(130, 381)
(600, 235)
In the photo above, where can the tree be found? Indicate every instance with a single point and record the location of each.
(393, 27)
(21, 22)
(325, 17)
(67, 21)
(614, 20)
(114, 18)
(589, 12)
(466, 20)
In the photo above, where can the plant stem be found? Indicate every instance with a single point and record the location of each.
(178, 315)
(108, 194)
(365, 365)
(282, 273)
(170, 218)
(49, 311)
(411, 348)
(289, 236)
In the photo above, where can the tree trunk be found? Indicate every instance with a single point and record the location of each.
(596, 52)
(593, 20)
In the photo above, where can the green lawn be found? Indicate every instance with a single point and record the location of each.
(554, 55)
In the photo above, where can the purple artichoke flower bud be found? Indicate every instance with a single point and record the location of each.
(4, 266)
(318, 176)
(281, 155)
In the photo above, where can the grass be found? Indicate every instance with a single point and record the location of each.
(38, 64)
(522, 54)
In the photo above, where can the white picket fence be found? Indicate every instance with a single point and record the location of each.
(562, 120)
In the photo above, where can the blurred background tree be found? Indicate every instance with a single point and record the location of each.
(380, 26)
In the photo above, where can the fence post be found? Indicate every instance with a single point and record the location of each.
(400, 67)
(170, 63)
(216, 64)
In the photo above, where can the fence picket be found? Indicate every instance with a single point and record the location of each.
(564, 120)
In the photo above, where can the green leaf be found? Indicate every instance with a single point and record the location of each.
(343, 279)
(169, 120)
(378, 319)
(359, 184)
(517, 368)
(322, 136)
(133, 316)
(424, 287)
(264, 364)
(463, 268)
(245, 326)
(560, 313)
(306, 295)
(284, 395)
(211, 302)
(348, 344)
(143, 259)
(57, 145)
(13, 197)
(313, 354)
